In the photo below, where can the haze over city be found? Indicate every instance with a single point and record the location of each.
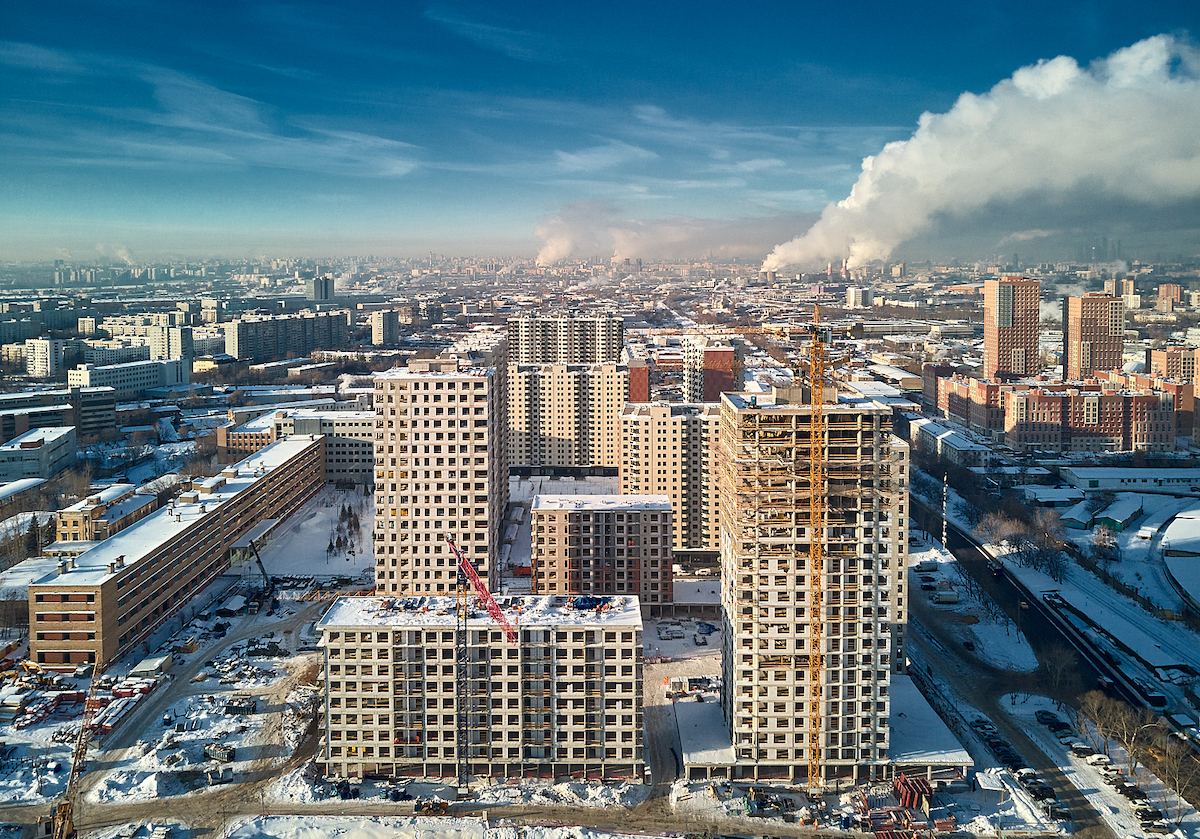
(661, 131)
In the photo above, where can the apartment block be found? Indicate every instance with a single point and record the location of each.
(106, 601)
(168, 342)
(104, 513)
(40, 453)
(567, 414)
(768, 592)
(668, 449)
(1011, 317)
(1092, 420)
(44, 357)
(385, 327)
(114, 351)
(1174, 362)
(1093, 334)
(132, 379)
(441, 471)
(711, 366)
(319, 288)
(270, 338)
(603, 544)
(561, 339)
(565, 700)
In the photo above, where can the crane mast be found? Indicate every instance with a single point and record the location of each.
(467, 575)
(62, 819)
(816, 547)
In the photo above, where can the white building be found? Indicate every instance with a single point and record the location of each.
(44, 357)
(132, 379)
(565, 700)
(40, 453)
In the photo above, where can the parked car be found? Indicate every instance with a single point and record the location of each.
(1148, 814)
(1082, 750)
(1058, 725)
(1045, 717)
(1161, 828)
(1058, 812)
(1098, 760)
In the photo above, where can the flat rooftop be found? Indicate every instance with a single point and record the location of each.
(104, 495)
(765, 401)
(38, 436)
(139, 540)
(15, 487)
(601, 502)
(352, 612)
(919, 737)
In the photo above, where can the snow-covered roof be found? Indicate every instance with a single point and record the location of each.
(106, 495)
(703, 733)
(1185, 571)
(351, 612)
(1126, 506)
(38, 436)
(601, 502)
(696, 591)
(1078, 513)
(145, 537)
(1182, 536)
(12, 488)
(919, 737)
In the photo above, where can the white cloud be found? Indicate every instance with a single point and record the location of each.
(1054, 142)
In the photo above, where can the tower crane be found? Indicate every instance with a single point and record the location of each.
(816, 547)
(467, 574)
(62, 818)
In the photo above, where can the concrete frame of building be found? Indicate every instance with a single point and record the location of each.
(764, 463)
(565, 701)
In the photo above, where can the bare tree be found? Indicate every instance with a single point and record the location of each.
(1179, 770)
(1058, 665)
(1135, 729)
(1100, 711)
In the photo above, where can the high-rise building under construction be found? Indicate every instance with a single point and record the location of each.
(773, 605)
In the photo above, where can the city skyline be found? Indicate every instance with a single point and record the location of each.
(135, 129)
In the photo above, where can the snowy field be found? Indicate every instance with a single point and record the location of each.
(298, 547)
(322, 827)
(976, 617)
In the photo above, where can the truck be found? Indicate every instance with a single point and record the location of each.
(945, 596)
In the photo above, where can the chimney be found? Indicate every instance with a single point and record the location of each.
(62, 567)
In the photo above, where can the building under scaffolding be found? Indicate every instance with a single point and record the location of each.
(768, 593)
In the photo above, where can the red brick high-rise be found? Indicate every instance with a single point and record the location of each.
(1093, 334)
(1010, 327)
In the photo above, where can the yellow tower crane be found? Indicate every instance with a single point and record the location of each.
(816, 547)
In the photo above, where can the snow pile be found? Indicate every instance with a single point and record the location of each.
(572, 794)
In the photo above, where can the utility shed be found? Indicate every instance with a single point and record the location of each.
(1121, 513)
(152, 666)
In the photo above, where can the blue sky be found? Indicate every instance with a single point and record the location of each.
(397, 128)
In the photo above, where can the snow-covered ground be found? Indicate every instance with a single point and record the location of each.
(975, 617)
(1114, 808)
(298, 547)
(394, 827)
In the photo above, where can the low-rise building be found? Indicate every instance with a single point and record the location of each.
(104, 513)
(349, 450)
(103, 603)
(134, 378)
(565, 700)
(40, 453)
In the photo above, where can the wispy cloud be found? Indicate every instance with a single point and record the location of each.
(607, 156)
(518, 44)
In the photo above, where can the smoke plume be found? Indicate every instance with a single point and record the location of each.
(1057, 145)
(585, 229)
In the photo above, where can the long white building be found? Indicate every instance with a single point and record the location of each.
(560, 339)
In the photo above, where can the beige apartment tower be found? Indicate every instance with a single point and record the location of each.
(668, 449)
(767, 592)
(566, 414)
(565, 700)
(603, 544)
(440, 472)
(1011, 317)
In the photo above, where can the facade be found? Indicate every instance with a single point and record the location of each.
(168, 342)
(1011, 316)
(1093, 335)
(1092, 420)
(767, 593)
(103, 603)
(131, 380)
(711, 366)
(566, 700)
(40, 453)
(1174, 362)
(441, 471)
(385, 327)
(44, 357)
(858, 297)
(104, 514)
(558, 339)
(270, 338)
(668, 449)
(602, 544)
(114, 351)
(567, 414)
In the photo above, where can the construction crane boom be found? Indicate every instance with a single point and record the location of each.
(485, 596)
(816, 548)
